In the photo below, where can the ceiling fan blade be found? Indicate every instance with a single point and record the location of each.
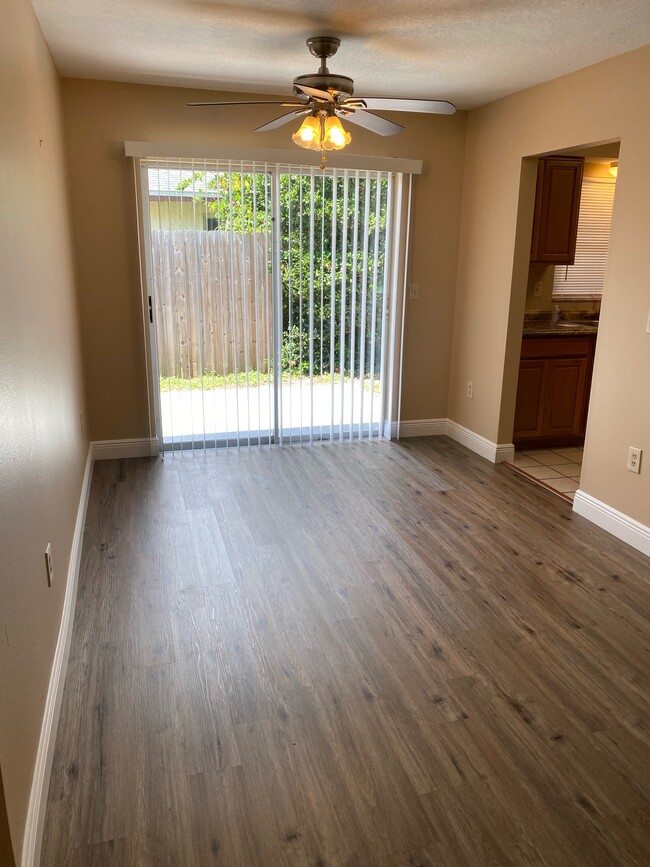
(280, 121)
(427, 106)
(253, 102)
(372, 122)
(315, 92)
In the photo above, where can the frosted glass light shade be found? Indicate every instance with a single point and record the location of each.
(335, 137)
(322, 134)
(309, 134)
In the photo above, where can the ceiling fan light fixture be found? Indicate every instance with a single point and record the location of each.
(335, 137)
(323, 97)
(613, 169)
(319, 133)
(309, 134)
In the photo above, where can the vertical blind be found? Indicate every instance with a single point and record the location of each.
(269, 298)
(210, 265)
(586, 277)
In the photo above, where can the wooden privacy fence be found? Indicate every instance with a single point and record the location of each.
(212, 297)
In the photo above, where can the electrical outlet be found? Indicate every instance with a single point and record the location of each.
(48, 564)
(634, 460)
(470, 389)
(537, 289)
(414, 291)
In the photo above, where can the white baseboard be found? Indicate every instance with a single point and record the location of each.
(143, 447)
(493, 452)
(31, 854)
(504, 452)
(427, 427)
(617, 523)
(420, 427)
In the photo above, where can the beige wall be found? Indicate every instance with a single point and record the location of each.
(100, 116)
(602, 103)
(43, 449)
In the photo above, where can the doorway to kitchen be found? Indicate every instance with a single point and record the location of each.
(570, 238)
(269, 301)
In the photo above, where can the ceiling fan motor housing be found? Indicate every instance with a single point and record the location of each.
(328, 81)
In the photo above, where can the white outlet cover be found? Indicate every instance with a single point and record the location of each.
(634, 460)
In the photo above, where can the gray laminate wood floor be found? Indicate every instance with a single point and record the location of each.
(374, 654)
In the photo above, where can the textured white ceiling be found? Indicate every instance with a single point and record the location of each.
(467, 51)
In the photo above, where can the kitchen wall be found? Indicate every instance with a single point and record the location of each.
(100, 116)
(43, 449)
(605, 102)
(544, 274)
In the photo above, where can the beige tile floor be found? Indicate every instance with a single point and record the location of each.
(558, 469)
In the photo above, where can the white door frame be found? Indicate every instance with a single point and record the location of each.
(148, 303)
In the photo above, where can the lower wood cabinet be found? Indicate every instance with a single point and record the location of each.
(553, 391)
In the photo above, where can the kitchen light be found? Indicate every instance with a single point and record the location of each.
(613, 169)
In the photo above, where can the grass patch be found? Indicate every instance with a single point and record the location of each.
(212, 380)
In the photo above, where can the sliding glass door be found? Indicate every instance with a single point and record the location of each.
(211, 268)
(268, 301)
(332, 254)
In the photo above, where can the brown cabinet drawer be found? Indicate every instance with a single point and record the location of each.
(557, 347)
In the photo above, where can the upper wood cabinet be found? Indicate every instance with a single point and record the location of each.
(557, 205)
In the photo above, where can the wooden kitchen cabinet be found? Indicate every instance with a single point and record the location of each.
(557, 206)
(533, 376)
(553, 391)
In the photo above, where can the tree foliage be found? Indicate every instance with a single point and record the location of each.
(335, 294)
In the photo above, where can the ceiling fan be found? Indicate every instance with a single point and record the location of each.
(322, 98)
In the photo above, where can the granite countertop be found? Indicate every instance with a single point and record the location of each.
(546, 328)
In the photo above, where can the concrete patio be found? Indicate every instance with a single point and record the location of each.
(323, 408)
